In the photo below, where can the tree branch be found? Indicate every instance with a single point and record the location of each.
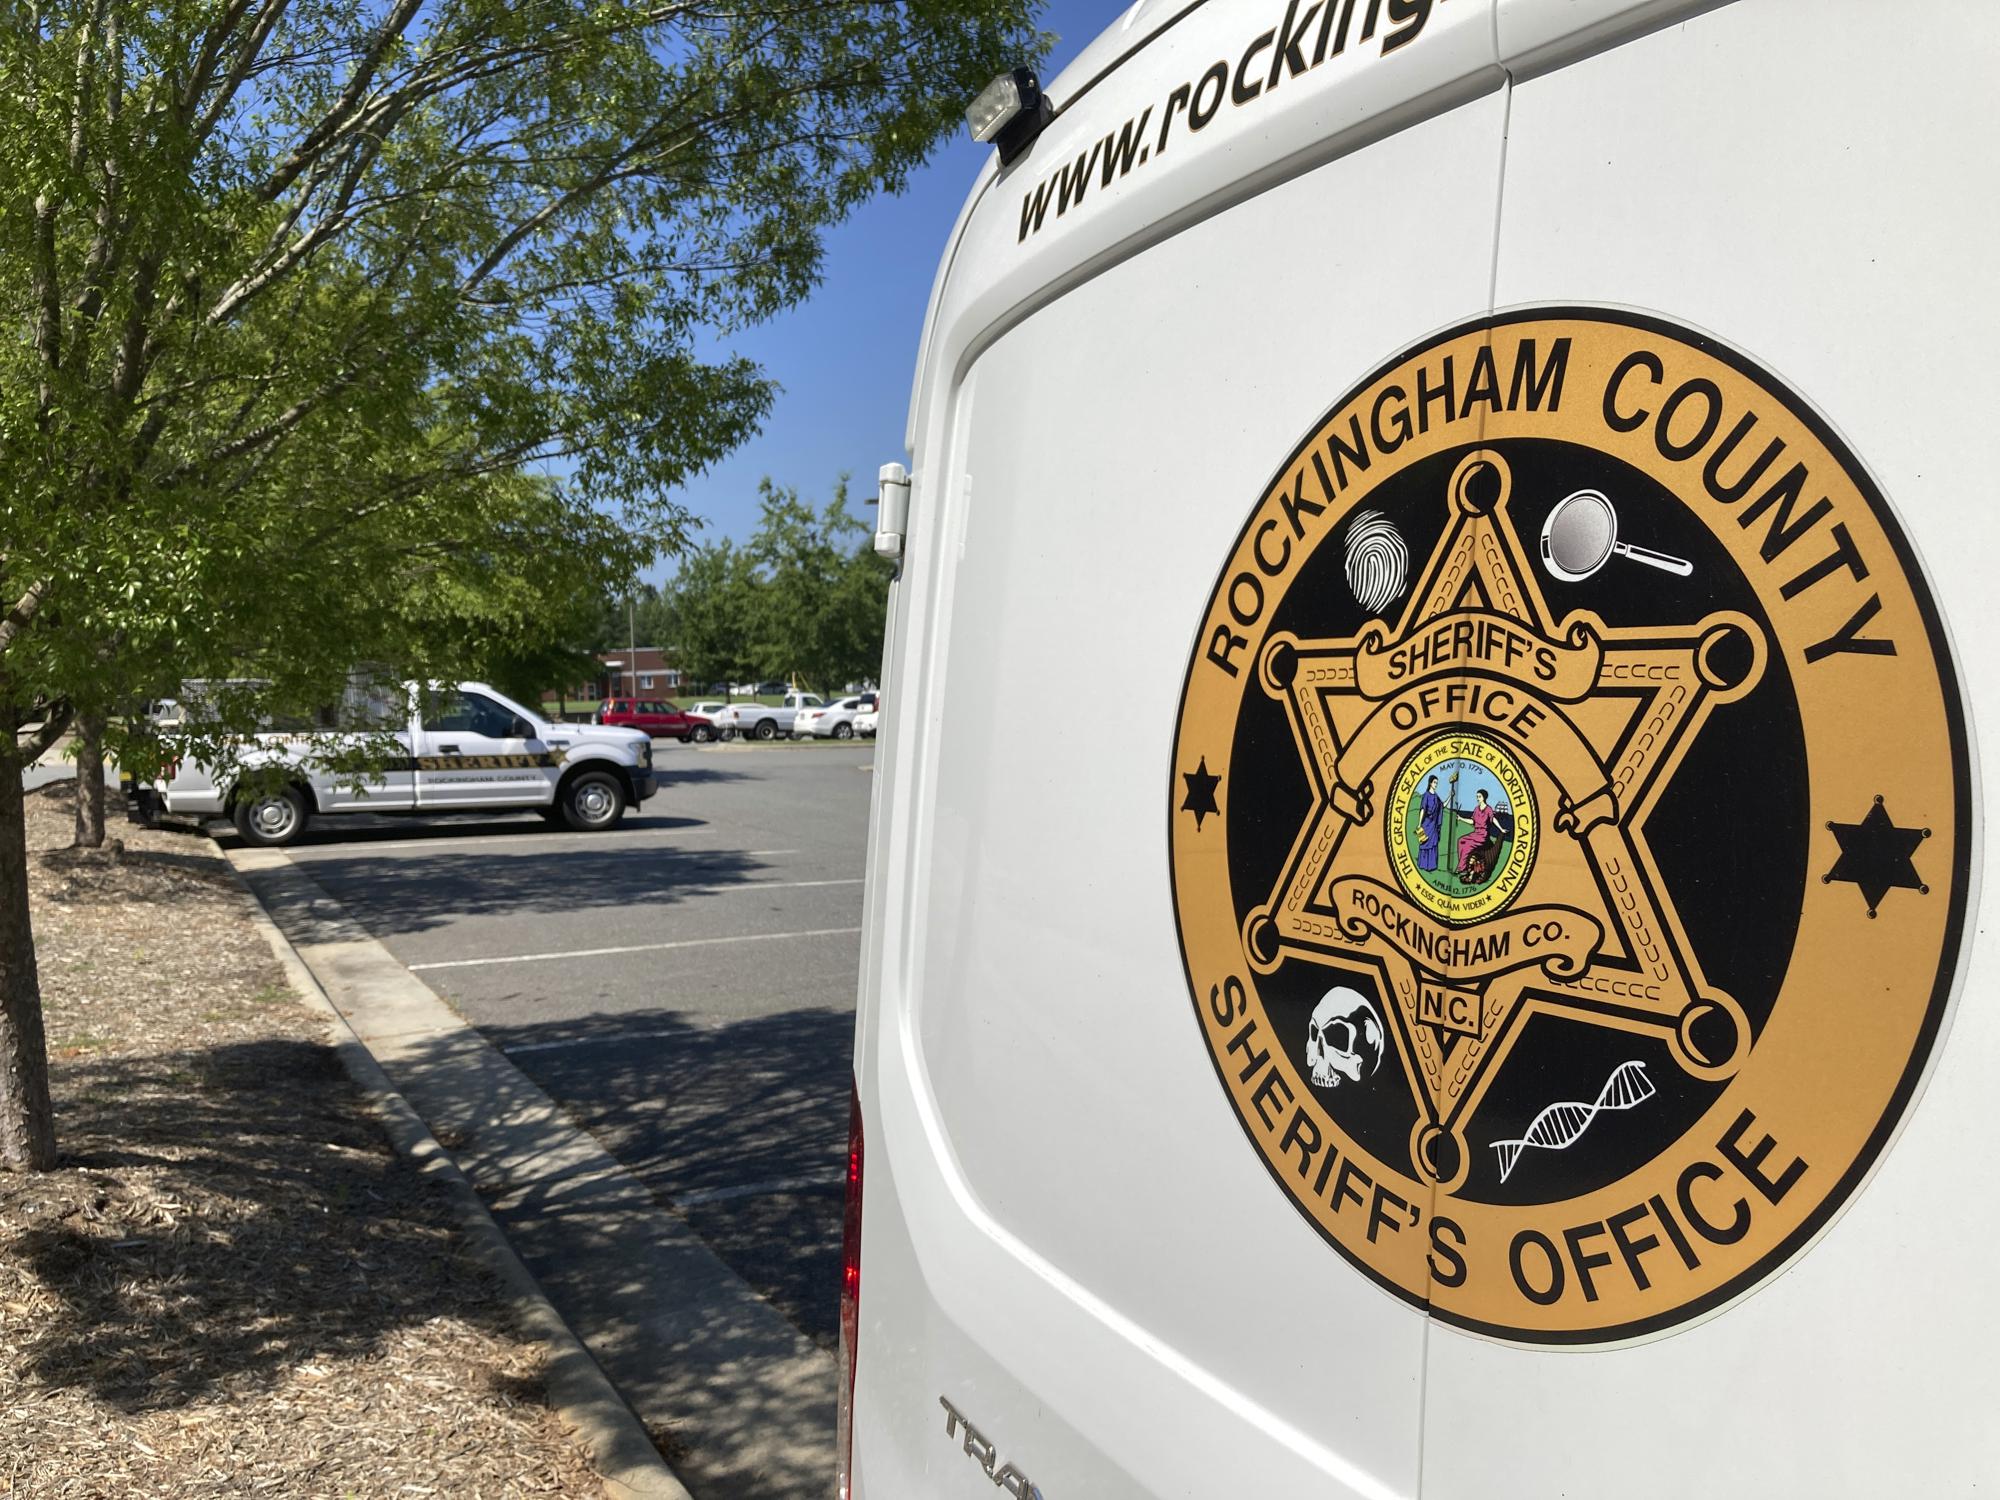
(301, 156)
(80, 99)
(202, 75)
(25, 608)
(55, 724)
(48, 302)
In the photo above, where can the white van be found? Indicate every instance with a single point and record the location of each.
(1500, 1010)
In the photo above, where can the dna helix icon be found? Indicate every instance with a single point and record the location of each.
(1559, 1125)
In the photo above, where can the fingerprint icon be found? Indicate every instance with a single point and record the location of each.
(1557, 1127)
(1378, 561)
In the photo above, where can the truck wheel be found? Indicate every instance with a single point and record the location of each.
(271, 820)
(767, 729)
(843, 731)
(593, 801)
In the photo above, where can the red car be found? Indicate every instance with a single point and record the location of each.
(660, 719)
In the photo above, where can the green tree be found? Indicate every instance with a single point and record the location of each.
(657, 622)
(636, 614)
(821, 593)
(296, 295)
(710, 603)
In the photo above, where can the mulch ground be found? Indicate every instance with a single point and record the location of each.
(232, 1285)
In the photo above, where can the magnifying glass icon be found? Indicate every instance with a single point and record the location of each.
(1581, 536)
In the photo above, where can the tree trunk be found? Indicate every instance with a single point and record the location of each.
(90, 782)
(27, 1124)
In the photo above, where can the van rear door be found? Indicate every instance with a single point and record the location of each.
(1075, 1275)
(1795, 180)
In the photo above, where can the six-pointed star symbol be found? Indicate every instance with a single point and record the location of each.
(1201, 785)
(1875, 855)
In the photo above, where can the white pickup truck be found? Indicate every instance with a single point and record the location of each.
(763, 721)
(466, 749)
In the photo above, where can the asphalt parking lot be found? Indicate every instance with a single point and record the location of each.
(683, 987)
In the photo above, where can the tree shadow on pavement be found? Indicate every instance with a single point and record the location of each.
(224, 1218)
(739, 1127)
(647, 1272)
(363, 829)
(396, 897)
(668, 775)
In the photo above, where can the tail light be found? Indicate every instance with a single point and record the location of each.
(850, 1299)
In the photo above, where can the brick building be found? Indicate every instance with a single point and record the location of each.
(645, 673)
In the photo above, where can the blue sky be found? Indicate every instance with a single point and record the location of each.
(845, 357)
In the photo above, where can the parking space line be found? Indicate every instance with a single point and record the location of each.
(776, 1185)
(538, 958)
(777, 885)
(446, 843)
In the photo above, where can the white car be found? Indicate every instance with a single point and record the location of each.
(865, 721)
(833, 722)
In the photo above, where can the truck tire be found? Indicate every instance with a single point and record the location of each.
(767, 729)
(271, 820)
(593, 801)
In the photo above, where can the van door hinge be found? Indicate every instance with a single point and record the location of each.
(892, 512)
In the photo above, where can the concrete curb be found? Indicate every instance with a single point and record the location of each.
(626, 1460)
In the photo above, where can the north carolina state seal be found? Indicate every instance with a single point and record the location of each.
(1570, 826)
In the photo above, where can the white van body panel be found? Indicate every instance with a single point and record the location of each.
(1789, 205)
(1034, 962)
(1533, 36)
(993, 274)
(1058, 1200)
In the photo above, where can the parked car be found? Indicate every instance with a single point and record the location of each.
(865, 721)
(657, 717)
(768, 689)
(835, 721)
(463, 750)
(763, 721)
(712, 709)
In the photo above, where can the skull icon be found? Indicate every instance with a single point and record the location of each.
(1344, 1038)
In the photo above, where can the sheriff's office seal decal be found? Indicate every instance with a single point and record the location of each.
(1570, 826)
